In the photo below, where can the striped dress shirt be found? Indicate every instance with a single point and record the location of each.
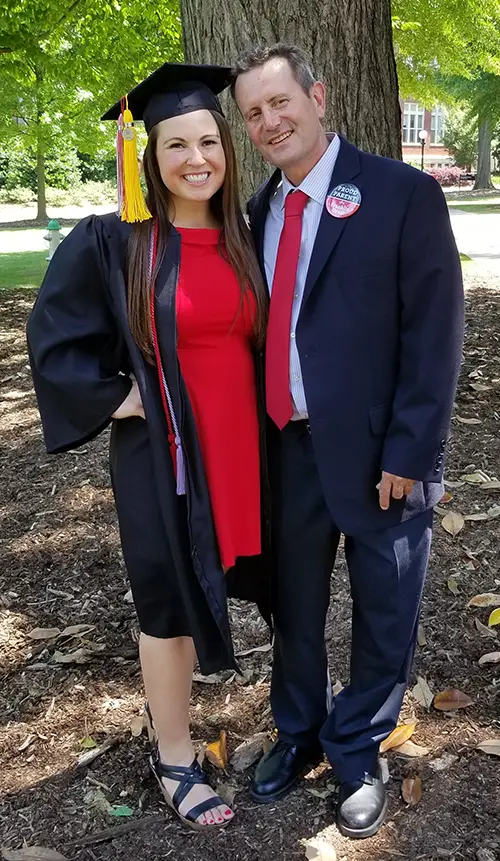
(316, 186)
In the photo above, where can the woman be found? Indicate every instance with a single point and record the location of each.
(155, 326)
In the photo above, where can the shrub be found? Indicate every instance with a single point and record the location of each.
(446, 176)
(99, 192)
(17, 195)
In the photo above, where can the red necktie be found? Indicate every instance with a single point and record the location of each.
(279, 399)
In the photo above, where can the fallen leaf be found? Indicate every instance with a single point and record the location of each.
(96, 798)
(485, 599)
(490, 485)
(121, 810)
(409, 748)
(74, 630)
(446, 497)
(475, 477)
(80, 656)
(421, 638)
(490, 658)
(321, 793)
(337, 687)
(248, 752)
(128, 597)
(453, 523)
(137, 725)
(477, 517)
(479, 387)
(453, 484)
(87, 743)
(452, 699)
(494, 618)
(227, 792)
(213, 679)
(453, 586)
(484, 630)
(398, 736)
(443, 762)
(465, 421)
(411, 790)
(216, 752)
(422, 693)
(320, 850)
(32, 853)
(44, 633)
(491, 745)
(26, 743)
(265, 648)
(494, 511)
(384, 770)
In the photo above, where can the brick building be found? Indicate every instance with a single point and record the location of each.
(414, 118)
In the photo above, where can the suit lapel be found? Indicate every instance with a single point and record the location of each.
(330, 229)
(259, 210)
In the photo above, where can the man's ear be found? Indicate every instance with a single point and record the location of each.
(318, 94)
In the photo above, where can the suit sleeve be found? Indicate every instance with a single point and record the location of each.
(75, 350)
(431, 338)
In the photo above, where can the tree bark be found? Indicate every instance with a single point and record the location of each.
(483, 173)
(349, 41)
(40, 151)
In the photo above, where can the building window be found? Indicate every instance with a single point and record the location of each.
(413, 122)
(438, 117)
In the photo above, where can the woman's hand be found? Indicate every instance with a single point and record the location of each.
(131, 406)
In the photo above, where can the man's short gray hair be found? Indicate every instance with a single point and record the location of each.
(297, 59)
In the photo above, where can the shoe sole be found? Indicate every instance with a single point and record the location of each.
(361, 833)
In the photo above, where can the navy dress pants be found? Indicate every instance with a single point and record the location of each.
(387, 572)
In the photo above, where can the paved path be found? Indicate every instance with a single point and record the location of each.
(478, 236)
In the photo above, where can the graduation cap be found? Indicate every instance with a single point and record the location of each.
(172, 90)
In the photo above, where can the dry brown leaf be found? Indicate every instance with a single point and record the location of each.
(490, 485)
(398, 736)
(137, 725)
(453, 523)
(248, 752)
(216, 752)
(320, 850)
(442, 763)
(485, 599)
(409, 748)
(227, 792)
(421, 638)
(265, 648)
(452, 699)
(484, 630)
(446, 497)
(32, 853)
(465, 421)
(75, 630)
(494, 618)
(494, 511)
(79, 656)
(477, 477)
(422, 693)
(453, 484)
(490, 658)
(411, 790)
(477, 517)
(44, 633)
(491, 745)
(479, 387)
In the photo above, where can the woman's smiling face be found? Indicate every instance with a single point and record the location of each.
(190, 155)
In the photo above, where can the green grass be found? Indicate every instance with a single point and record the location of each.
(22, 269)
(467, 262)
(479, 207)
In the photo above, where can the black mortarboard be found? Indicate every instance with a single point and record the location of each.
(174, 89)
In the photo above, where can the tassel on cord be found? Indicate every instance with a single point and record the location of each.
(119, 163)
(133, 206)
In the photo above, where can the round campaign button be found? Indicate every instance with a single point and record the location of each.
(344, 200)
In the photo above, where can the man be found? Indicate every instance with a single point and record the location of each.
(362, 358)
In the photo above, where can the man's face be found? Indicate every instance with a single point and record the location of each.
(282, 121)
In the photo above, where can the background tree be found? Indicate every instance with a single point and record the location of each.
(350, 42)
(460, 136)
(62, 64)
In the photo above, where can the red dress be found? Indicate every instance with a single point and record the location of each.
(216, 361)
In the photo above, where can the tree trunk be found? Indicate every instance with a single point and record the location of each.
(40, 150)
(483, 173)
(349, 41)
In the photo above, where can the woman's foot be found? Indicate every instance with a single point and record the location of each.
(185, 787)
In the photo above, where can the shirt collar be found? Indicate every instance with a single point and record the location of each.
(316, 183)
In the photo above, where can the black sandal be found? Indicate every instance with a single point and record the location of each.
(187, 777)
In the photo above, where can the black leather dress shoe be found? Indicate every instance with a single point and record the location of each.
(280, 768)
(361, 807)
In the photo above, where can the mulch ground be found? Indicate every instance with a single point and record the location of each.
(60, 566)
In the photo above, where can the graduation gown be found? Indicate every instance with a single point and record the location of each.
(82, 354)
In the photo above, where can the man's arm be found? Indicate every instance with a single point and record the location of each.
(431, 337)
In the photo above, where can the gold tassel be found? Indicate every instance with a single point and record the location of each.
(133, 206)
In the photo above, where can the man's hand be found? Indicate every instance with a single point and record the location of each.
(131, 406)
(393, 485)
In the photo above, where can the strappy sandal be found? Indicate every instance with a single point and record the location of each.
(187, 777)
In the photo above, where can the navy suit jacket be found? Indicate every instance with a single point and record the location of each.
(379, 337)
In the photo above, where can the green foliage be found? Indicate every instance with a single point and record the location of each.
(460, 136)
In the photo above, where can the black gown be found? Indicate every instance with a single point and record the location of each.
(82, 353)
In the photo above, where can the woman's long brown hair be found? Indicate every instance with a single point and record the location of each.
(237, 241)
